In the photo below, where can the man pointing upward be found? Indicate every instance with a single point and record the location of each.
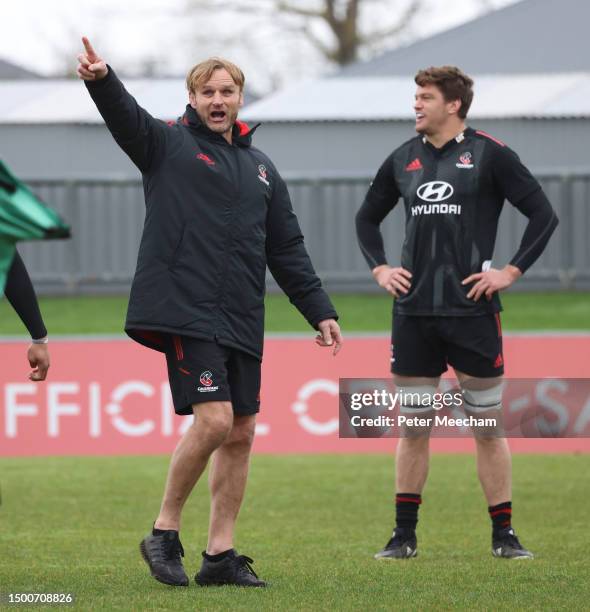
(217, 213)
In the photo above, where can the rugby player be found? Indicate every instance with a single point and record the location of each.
(217, 213)
(453, 180)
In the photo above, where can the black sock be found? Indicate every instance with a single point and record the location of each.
(501, 515)
(406, 510)
(219, 556)
(161, 531)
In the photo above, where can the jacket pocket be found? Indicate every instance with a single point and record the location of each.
(177, 248)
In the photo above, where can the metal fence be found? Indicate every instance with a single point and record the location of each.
(107, 216)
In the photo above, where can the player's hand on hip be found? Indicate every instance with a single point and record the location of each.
(487, 283)
(38, 356)
(396, 281)
(91, 67)
(329, 335)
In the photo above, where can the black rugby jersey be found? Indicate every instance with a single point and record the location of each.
(453, 197)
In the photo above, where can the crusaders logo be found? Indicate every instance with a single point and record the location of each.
(262, 174)
(465, 160)
(206, 378)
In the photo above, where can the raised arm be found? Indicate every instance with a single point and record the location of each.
(140, 136)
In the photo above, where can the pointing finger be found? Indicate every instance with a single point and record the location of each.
(92, 56)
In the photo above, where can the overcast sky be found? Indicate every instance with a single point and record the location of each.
(39, 35)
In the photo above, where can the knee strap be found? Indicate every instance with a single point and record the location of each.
(484, 399)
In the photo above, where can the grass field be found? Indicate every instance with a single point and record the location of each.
(106, 315)
(311, 523)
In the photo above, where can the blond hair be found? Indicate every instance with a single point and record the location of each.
(452, 83)
(202, 72)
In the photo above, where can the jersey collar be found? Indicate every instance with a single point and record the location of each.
(459, 138)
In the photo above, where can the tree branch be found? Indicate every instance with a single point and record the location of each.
(285, 7)
(402, 24)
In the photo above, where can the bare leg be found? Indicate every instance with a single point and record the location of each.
(412, 461)
(413, 452)
(212, 424)
(494, 464)
(227, 482)
(494, 469)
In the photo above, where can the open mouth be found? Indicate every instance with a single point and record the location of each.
(217, 116)
(419, 116)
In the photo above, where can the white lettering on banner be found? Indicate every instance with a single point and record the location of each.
(583, 419)
(115, 409)
(55, 409)
(300, 407)
(12, 410)
(546, 427)
(94, 409)
(167, 410)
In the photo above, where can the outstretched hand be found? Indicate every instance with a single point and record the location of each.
(329, 335)
(91, 66)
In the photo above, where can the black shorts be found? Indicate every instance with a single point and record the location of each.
(203, 371)
(423, 346)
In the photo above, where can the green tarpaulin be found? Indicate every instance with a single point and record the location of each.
(23, 216)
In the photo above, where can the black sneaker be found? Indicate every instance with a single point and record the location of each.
(233, 569)
(505, 544)
(402, 545)
(162, 553)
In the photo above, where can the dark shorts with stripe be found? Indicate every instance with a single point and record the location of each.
(203, 371)
(424, 346)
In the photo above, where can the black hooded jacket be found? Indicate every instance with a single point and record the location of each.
(216, 216)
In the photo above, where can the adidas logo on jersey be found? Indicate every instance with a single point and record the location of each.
(414, 165)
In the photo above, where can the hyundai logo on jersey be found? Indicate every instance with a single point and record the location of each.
(435, 191)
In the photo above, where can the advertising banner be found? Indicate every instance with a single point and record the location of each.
(111, 397)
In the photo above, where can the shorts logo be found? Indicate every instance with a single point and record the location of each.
(435, 191)
(465, 160)
(206, 379)
(262, 174)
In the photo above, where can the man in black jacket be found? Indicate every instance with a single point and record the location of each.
(217, 213)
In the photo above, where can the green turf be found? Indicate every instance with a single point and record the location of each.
(371, 313)
(311, 523)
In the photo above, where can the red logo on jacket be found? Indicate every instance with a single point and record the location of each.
(206, 159)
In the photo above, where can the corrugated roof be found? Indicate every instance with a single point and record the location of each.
(391, 98)
(532, 36)
(67, 101)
